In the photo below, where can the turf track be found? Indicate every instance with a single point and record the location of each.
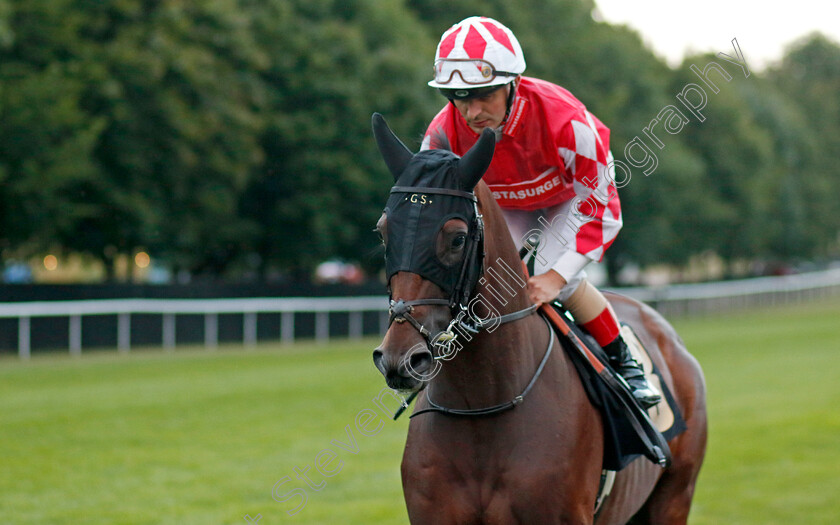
(196, 437)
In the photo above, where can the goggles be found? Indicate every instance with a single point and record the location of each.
(473, 71)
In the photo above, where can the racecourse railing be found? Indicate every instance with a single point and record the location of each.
(168, 309)
(671, 301)
(691, 299)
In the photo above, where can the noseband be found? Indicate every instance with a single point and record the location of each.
(400, 312)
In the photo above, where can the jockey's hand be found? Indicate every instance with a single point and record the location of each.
(545, 287)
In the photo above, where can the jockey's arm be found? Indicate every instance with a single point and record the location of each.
(545, 287)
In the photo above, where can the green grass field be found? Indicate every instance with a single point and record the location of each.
(196, 437)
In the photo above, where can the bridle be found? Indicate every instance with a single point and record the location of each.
(470, 272)
(444, 172)
(400, 311)
(473, 264)
(471, 269)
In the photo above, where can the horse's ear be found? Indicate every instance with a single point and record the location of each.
(395, 153)
(476, 161)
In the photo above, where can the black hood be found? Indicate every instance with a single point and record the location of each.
(432, 187)
(415, 217)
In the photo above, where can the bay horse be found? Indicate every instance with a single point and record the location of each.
(522, 460)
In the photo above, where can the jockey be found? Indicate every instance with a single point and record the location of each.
(551, 174)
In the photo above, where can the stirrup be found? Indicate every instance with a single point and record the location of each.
(645, 393)
(631, 371)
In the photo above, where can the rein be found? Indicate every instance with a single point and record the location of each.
(400, 312)
(502, 407)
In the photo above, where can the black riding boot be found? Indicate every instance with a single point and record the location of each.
(631, 370)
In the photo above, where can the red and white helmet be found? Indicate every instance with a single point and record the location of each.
(477, 52)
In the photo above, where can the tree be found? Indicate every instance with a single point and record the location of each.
(323, 184)
(126, 125)
(234, 136)
(181, 95)
(807, 112)
(47, 139)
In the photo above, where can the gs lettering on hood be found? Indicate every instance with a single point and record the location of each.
(416, 218)
(420, 198)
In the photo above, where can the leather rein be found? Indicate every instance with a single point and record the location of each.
(495, 409)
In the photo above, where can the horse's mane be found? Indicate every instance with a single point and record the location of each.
(439, 140)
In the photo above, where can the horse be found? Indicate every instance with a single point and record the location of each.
(451, 266)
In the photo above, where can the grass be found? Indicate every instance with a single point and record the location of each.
(192, 437)
(774, 416)
(197, 437)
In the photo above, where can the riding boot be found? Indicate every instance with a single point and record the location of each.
(622, 361)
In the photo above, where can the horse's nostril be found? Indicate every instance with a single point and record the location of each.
(377, 358)
(420, 362)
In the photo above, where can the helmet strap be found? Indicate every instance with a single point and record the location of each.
(511, 97)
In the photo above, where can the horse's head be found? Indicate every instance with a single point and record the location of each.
(433, 235)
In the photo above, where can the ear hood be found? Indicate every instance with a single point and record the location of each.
(394, 152)
(476, 161)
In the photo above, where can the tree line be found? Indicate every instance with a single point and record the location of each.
(232, 138)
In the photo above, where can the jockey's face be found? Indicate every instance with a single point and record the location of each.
(485, 111)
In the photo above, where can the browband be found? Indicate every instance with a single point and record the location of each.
(440, 191)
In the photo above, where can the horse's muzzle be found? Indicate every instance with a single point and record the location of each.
(408, 372)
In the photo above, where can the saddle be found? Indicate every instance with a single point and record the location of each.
(629, 430)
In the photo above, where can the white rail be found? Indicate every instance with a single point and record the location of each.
(689, 299)
(210, 308)
(672, 300)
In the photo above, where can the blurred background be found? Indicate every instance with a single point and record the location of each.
(228, 141)
(221, 151)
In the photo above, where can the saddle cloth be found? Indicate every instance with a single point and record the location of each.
(663, 414)
(623, 441)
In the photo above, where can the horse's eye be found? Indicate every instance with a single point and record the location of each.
(450, 242)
